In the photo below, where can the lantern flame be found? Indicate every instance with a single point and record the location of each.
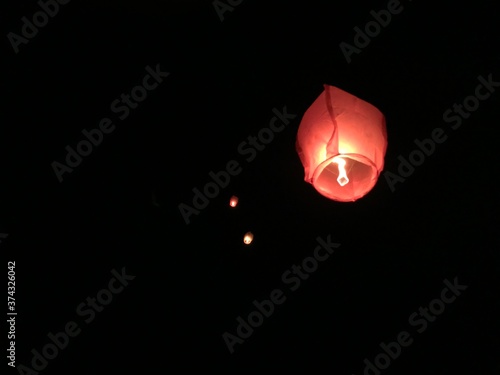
(342, 179)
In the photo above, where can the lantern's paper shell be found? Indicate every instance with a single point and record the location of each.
(340, 125)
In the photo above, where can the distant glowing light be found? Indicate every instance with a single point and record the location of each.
(233, 202)
(248, 238)
(342, 179)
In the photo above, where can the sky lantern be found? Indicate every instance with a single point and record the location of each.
(248, 238)
(233, 202)
(341, 143)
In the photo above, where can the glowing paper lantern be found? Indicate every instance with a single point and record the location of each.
(248, 238)
(341, 143)
(233, 202)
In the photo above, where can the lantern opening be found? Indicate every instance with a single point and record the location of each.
(345, 177)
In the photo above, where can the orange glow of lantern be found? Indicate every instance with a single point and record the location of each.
(341, 143)
(233, 202)
(248, 238)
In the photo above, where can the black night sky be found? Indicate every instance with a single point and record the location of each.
(417, 260)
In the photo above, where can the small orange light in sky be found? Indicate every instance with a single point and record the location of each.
(233, 202)
(248, 238)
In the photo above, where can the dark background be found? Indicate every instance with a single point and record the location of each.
(119, 208)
